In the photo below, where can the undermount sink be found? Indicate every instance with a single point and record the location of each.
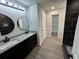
(8, 44)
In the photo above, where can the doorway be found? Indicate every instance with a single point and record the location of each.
(55, 22)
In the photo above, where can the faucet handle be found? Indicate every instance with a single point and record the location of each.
(6, 39)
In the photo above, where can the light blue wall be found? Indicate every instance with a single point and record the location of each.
(33, 17)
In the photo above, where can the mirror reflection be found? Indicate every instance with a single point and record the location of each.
(23, 23)
(6, 24)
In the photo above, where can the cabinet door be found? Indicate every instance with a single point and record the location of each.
(34, 40)
(21, 50)
(10, 54)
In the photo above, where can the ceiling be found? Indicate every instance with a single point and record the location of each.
(46, 4)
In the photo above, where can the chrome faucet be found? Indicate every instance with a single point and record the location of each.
(6, 39)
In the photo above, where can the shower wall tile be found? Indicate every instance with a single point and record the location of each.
(72, 12)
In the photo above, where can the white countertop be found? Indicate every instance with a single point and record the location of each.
(15, 41)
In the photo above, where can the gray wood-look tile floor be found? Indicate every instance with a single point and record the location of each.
(51, 49)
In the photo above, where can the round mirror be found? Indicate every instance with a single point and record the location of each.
(23, 23)
(6, 24)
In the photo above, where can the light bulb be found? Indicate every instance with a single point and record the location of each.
(10, 4)
(15, 6)
(20, 7)
(3, 1)
(23, 8)
(53, 7)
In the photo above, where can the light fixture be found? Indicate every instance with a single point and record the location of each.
(20, 7)
(52, 7)
(23, 8)
(3, 1)
(10, 4)
(15, 6)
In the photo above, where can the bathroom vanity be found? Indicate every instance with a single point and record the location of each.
(15, 42)
(19, 47)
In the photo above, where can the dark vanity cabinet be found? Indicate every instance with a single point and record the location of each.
(72, 11)
(21, 50)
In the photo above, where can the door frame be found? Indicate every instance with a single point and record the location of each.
(43, 19)
(41, 34)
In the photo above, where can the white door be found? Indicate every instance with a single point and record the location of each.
(43, 25)
(55, 22)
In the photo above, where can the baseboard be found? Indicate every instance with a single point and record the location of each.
(60, 37)
(49, 36)
(41, 43)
